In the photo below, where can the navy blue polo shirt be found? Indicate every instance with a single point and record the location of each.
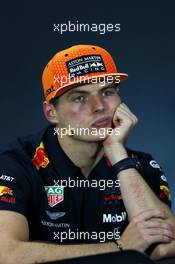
(39, 181)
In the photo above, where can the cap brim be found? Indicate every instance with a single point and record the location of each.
(116, 78)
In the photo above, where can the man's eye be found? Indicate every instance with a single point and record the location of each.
(79, 99)
(108, 92)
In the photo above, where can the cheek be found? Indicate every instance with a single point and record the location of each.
(114, 103)
(73, 117)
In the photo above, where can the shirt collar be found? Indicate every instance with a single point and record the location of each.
(60, 161)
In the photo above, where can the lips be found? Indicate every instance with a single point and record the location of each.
(102, 122)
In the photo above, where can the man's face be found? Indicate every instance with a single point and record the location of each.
(87, 111)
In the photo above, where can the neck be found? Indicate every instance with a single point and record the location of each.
(83, 154)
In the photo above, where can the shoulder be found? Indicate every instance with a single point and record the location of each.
(146, 160)
(22, 149)
(16, 157)
(140, 154)
(153, 173)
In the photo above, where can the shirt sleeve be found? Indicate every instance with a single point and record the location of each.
(14, 185)
(155, 177)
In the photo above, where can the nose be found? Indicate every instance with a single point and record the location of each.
(96, 103)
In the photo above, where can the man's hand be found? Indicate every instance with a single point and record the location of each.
(164, 251)
(124, 120)
(145, 229)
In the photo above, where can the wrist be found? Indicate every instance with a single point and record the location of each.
(119, 244)
(124, 164)
(115, 153)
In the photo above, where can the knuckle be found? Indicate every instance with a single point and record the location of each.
(130, 122)
(163, 225)
(164, 237)
(139, 225)
(135, 220)
(147, 238)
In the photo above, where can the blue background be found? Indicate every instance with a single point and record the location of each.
(144, 48)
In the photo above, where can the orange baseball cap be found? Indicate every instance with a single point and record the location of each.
(76, 65)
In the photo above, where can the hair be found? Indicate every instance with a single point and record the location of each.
(54, 101)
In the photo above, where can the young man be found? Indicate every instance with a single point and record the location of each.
(51, 183)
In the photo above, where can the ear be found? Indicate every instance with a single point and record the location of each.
(50, 112)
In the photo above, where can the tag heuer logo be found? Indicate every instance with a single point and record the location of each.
(55, 194)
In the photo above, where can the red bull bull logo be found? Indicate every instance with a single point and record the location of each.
(40, 158)
(4, 190)
(165, 192)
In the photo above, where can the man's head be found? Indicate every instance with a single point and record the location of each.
(80, 89)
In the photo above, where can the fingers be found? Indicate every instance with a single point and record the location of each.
(152, 213)
(162, 232)
(157, 223)
(126, 109)
(123, 116)
(127, 116)
(124, 113)
(147, 228)
(154, 228)
(159, 239)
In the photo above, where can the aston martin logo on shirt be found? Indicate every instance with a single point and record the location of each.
(55, 215)
(55, 194)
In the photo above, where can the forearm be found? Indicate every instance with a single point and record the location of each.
(136, 193)
(38, 252)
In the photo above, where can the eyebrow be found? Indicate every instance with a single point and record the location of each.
(87, 92)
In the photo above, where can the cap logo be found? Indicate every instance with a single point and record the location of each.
(85, 65)
(49, 90)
